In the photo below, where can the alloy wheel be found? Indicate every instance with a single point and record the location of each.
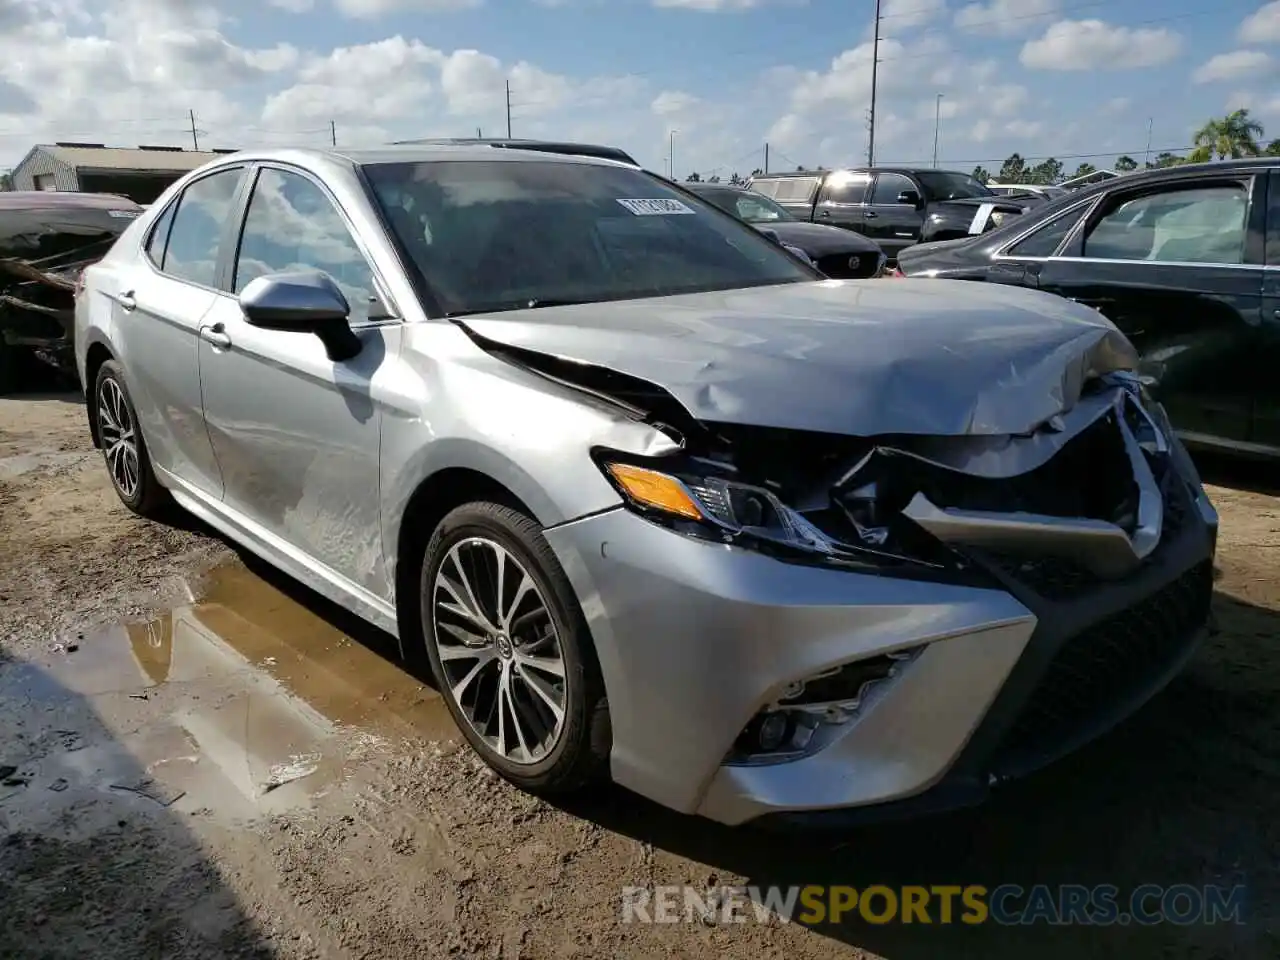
(119, 437)
(499, 650)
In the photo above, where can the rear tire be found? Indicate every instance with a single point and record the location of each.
(511, 652)
(123, 449)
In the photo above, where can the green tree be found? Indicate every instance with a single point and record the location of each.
(1165, 159)
(736, 180)
(1047, 171)
(693, 178)
(1084, 170)
(1273, 149)
(757, 172)
(1013, 170)
(980, 174)
(1125, 164)
(1230, 137)
(714, 178)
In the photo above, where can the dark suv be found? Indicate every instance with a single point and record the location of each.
(894, 206)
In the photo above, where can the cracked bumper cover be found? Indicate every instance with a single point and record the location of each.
(695, 638)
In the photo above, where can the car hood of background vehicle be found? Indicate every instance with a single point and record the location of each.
(818, 240)
(864, 357)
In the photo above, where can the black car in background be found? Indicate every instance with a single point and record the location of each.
(894, 206)
(46, 239)
(839, 254)
(1185, 260)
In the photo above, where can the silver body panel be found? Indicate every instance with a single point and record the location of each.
(313, 464)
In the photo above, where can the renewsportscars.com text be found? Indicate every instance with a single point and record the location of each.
(1007, 904)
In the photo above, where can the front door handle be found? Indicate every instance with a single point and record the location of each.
(825, 213)
(217, 336)
(871, 214)
(126, 301)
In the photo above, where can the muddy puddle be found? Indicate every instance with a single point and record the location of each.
(238, 703)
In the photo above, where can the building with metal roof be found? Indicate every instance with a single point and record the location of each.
(139, 173)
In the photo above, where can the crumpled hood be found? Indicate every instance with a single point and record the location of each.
(819, 240)
(862, 357)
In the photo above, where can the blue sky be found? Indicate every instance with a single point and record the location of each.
(1043, 77)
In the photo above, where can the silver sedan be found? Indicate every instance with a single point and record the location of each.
(653, 499)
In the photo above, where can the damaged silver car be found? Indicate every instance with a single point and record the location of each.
(46, 240)
(653, 499)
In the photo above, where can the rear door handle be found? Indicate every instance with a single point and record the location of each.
(217, 336)
(825, 213)
(126, 301)
(871, 214)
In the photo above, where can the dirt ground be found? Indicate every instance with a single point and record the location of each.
(199, 758)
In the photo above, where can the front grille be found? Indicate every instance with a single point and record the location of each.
(1058, 578)
(845, 266)
(1096, 673)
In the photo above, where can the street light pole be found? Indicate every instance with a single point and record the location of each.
(671, 152)
(937, 119)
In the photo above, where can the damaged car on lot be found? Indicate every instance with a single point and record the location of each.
(46, 239)
(651, 498)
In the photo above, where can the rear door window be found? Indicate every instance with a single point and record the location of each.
(1181, 224)
(846, 188)
(195, 237)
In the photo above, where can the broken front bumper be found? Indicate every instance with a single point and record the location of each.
(695, 639)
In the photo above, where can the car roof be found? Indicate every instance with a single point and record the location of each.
(855, 168)
(407, 153)
(61, 200)
(540, 146)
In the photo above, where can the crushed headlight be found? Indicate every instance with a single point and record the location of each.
(724, 505)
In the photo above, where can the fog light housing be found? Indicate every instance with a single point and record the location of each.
(808, 713)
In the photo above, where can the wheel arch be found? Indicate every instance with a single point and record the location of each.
(430, 501)
(95, 356)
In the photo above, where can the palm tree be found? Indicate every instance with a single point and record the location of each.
(1233, 136)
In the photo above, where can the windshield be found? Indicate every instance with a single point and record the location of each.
(748, 206)
(940, 185)
(489, 236)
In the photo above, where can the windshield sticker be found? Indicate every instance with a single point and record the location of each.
(979, 222)
(656, 208)
(123, 214)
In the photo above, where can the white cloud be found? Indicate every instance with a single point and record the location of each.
(1232, 66)
(1116, 106)
(1097, 45)
(371, 9)
(670, 103)
(1005, 18)
(293, 6)
(1263, 25)
(899, 16)
(711, 6)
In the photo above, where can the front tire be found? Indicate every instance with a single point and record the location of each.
(510, 650)
(123, 449)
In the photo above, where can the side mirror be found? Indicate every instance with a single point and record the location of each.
(910, 197)
(771, 234)
(305, 301)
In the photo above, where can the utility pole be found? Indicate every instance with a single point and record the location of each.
(508, 109)
(479, 134)
(766, 157)
(937, 119)
(1150, 122)
(333, 133)
(671, 152)
(195, 140)
(875, 62)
